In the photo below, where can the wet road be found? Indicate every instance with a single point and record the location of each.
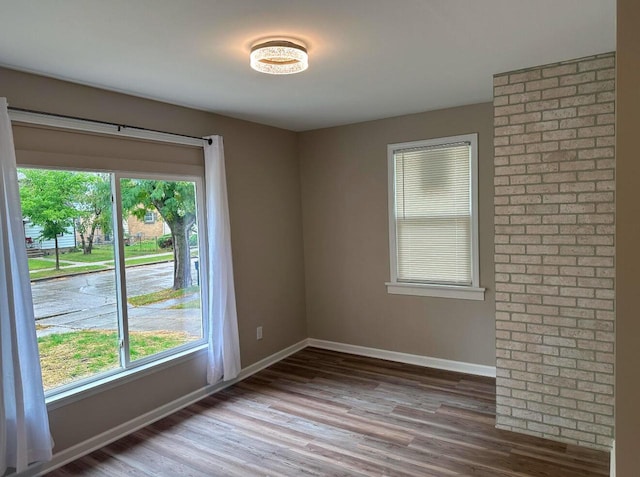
(88, 301)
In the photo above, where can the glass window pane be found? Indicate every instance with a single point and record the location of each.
(161, 257)
(67, 217)
(433, 214)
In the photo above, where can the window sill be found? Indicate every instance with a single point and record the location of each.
(120, 377)
(441, 291)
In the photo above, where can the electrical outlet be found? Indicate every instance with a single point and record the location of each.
(259, 333)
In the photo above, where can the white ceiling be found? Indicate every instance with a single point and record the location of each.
(369, 59)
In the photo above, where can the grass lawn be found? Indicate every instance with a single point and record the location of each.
(160, 257)
(40, 263)
(143, 260)
(65, 271)
(67, 357)
(161, 295)
(103, 253)
(144, 248)
(187, 305)
(99, 253)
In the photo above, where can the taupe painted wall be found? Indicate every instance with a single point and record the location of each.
(627, 240)
(346, 241)
(264, 201)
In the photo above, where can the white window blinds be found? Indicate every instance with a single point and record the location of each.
(433, 214)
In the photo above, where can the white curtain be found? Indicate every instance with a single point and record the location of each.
(24, 423)
(224, 347)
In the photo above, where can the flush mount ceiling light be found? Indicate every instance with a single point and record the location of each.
(279, 57)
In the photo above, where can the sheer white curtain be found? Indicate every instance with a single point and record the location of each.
(24, 423)
(224, 347)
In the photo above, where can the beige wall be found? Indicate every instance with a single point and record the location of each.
(341, 175)
(627, 240)
(346, 241)
(264, 202)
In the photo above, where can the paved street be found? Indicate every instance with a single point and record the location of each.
(88, 301)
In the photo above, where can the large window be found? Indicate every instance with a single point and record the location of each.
(433, 223)
(111, 291)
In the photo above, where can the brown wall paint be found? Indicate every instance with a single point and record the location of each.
(346, 241)
(627, 240)
(263, 182)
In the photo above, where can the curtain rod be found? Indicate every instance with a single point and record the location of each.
(106, 123)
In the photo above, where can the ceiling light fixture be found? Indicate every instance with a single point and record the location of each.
(279, 57)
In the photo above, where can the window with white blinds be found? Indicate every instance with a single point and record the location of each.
(433, 214)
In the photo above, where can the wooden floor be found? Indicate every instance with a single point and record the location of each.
(330, 414)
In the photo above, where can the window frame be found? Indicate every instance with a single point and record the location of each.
(77, 390)
(426, 288)
(121, 289)
(151, 220)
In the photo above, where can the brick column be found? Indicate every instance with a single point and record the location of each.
(554, 250)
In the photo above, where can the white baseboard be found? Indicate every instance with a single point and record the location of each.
(105, 438)
(269, 360)
(612, 467)
(419, 360)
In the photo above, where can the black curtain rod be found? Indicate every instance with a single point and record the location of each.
(119, 126)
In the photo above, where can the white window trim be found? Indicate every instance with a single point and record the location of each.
(472, 292)
(434, 290)
(108, 380)
(151, 220)
(100, 382)
(77, 390)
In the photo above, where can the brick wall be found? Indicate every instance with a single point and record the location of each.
(554, 250)
(147, 231)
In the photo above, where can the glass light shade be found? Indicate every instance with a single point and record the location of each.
(279, 57)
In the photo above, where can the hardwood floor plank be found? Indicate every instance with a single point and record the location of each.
(322, 413)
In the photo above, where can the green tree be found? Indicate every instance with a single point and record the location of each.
(94, 210)
(175, 201)
(49, 199)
